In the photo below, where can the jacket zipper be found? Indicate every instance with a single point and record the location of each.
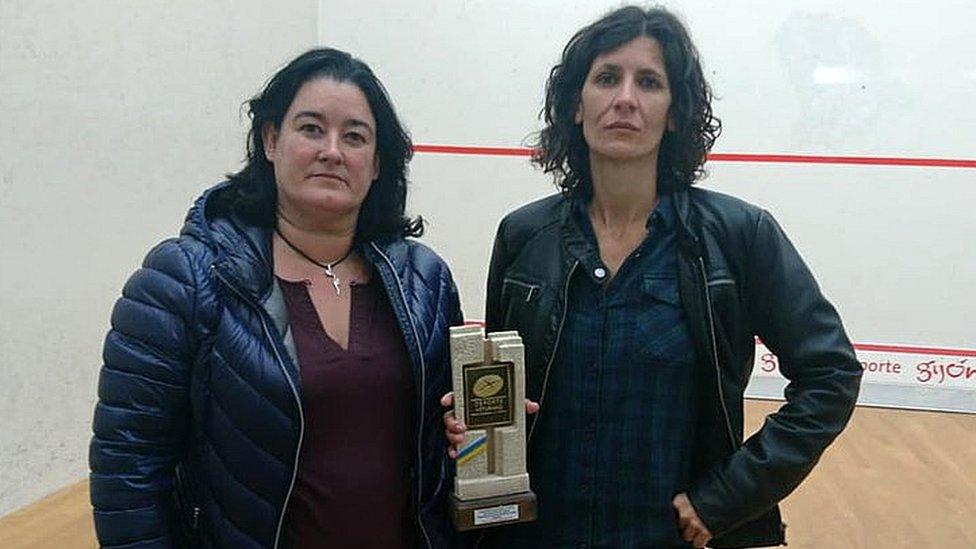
(714, 341)
(294, 391)
(555, 347)
(423, 391)
(183, 488)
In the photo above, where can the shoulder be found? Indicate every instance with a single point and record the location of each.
(411, 251)
(536, 215)
(528, 221)
(171, 275)
(723, 207)
(182, 258)
(731, 220)
(410, 258)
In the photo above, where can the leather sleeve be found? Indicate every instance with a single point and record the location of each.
(142, 413)
(496, 275)
(793, 318)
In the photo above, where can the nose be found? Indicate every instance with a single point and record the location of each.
(329, 150)
(626, 98)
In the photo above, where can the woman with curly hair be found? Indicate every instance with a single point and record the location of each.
(638, 298)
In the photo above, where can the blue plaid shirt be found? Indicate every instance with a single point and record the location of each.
(613, 442)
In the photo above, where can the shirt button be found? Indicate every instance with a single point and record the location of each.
(599, 272)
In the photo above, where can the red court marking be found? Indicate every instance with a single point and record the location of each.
(473, 151)
(847, 160)
(910, 349)
(730, 157)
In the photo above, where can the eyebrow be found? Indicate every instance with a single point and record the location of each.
(355, 122)
(618, 68)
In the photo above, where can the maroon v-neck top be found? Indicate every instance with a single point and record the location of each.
(353, 486)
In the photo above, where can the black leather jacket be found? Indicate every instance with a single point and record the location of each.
(739, 277)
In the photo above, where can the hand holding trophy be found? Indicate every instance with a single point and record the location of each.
(492, 485)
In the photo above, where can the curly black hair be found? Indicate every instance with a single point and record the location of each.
(253, 194)
(560, 148)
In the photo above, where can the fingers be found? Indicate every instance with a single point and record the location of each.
(453, 428)
(691, 526)
(697, 535)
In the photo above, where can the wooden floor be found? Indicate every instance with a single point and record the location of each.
(894, 479)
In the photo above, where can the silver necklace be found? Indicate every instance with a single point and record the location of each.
(328, 267)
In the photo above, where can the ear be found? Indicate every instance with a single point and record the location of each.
(671, 125)
(376, 166)
(270, 137)
(578, 117)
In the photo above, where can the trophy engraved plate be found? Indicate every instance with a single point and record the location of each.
(489, 395)
(492, 486)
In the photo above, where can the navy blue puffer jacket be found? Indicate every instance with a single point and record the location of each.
(198, 422)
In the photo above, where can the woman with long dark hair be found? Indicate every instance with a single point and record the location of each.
(638, 298)
(271, 374)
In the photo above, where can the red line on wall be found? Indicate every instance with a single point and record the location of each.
(473, 151)
(731, 157)
(911, 349)
(843, 160)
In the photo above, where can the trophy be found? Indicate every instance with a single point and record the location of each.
(492, 486)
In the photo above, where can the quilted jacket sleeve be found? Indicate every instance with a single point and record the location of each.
(796, 322)
(142, 415)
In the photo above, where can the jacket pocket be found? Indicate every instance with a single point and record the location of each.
(519, 299)
(520, 290)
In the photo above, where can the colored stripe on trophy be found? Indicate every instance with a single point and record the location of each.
(472, 450)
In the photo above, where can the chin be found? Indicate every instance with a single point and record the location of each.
(622, 152)
(331, 202)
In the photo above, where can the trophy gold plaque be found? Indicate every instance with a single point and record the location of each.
(492, 486)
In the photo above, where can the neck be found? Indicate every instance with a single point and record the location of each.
(624, 192)
(323, 243)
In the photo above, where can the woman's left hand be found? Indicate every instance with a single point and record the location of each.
(453, 428)
(691, 526)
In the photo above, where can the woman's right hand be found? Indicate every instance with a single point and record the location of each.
(454, 428)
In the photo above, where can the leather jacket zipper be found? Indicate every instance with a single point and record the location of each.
(714, 342)
(423, 391)
(555, 347)
(298, 402)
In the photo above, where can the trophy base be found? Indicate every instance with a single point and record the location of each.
(494, 511)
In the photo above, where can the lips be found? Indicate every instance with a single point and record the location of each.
(623, 126)
(332, 176)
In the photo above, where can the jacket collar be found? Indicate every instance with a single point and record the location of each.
(686, 219)
(242, 251)
(674, 210)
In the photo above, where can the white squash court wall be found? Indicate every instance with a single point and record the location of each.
(115, 116)
(892, 246)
